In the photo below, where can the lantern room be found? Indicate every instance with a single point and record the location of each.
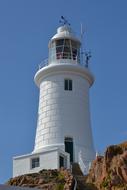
(64, 47)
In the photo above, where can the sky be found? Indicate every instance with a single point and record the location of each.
(26, 27)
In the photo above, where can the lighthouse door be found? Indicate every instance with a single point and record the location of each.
(61, 161)
(69, 147)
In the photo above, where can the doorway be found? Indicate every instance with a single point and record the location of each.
(69, 147)
(61, 161)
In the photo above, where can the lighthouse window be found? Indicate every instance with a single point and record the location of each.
(35, 162)
(68, 84)
(59, 42)
(67, 49)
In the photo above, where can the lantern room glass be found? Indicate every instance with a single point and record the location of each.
(64, 49)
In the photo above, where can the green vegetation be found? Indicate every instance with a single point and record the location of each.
(90, 186)
(106, 182)
(59, 186)
(61, 177)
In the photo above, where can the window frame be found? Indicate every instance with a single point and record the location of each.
(67, 49)
(68, 84)
(35, 163)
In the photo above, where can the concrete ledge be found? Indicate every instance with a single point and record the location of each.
(54, 69)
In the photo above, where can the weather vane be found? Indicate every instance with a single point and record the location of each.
(64, 21)
(87, 58)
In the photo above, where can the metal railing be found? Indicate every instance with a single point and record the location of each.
(43, 63)
(67, 55)
(75, 186)
(46, 62)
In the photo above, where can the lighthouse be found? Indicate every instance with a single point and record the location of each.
(63, 133)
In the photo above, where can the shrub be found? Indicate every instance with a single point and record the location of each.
(59, 186)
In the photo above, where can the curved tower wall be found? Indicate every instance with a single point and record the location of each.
(63, 133)
(64, 113)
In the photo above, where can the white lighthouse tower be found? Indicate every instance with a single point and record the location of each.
(63, 134)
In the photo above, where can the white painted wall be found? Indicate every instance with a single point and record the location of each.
(48, 160)
(64, 114)
(61, 113)
(22, 165)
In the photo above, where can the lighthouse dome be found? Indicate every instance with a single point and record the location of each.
(65, 32)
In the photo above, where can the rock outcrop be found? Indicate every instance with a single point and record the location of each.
(109, 172)
(45, 180)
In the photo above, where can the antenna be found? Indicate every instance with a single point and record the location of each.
(85, 55)
(82, 31)
(87, 58)
(64, 21)
(81, 36)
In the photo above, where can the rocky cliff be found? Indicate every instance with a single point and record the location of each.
(46, 180)
(109, 172)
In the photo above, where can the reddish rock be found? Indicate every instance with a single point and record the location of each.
(109, 172)
(45, 179)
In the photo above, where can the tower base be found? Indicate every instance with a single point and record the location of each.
(53, 158)
(49, 159)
